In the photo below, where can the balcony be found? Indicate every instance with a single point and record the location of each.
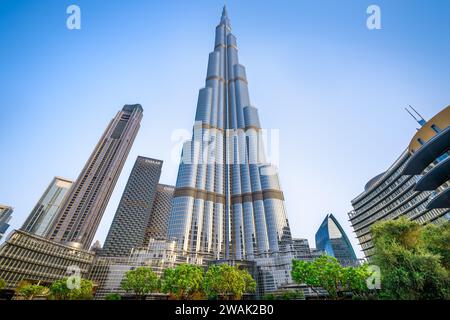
(428, 153)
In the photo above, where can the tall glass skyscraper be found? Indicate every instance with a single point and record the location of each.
(228, 203)
(44, 213)
(159, 218)
(130, 222)
(5, 217)
(80, 214)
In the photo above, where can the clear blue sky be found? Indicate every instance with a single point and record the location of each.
(334, 89)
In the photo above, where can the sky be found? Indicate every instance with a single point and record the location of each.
(334, 89)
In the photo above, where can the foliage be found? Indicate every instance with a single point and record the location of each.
(60, 291)
(113, 296)
(326, 272)
(183, 282)
(413, 259)
(141, 281)
(2, 284)
(227, 282)
(286, 295)
(29, 291)
(269, 296)
(436, 240)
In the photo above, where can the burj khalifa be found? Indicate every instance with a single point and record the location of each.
(228, 203)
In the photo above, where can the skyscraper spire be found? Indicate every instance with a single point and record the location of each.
(224, 11)
(224, 19)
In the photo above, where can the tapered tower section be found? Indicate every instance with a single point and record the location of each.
(228, 203)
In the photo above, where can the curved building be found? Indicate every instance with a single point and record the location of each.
(228, 203)
(331, 239)
(412, 186)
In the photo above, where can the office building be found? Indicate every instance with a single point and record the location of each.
(108, 272)
(44, 213)
(96, 248)
(429, 159)
(159, 218)
(414, 186)
(80, 214)
(302, 250)
(27, 257)
(130, 222)
(331, 239)
(5, 217)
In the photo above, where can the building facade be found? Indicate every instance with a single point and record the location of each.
(44, 213)
(430, 159)
(302, 250)
(107, 272)
(331, 239)
(159, 218)
(80, 214)
(407, 188)
(5, 217)
(27, 257)
(130, 222)
(228, 203)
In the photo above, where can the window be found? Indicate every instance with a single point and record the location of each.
(435, 128)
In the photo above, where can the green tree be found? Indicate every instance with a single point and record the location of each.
(29, 291)
(292, 295)
(141, 281)
(436, 240)
(2, 284)
(227, 282)
(60, 290)
(269, 296)
(113, 296)
(354, 280)
(183, 282)
(285, 295)
(327, 273)
(412, 260)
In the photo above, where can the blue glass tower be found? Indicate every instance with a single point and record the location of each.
(332, 239)
(228, 203)
(5, 217)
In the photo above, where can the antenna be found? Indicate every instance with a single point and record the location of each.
(417, 113)
(419, 120)
(411, 114)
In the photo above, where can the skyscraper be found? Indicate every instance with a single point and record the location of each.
(131, 219)
(5, 217)
(332, 239)
(228, 202)
(41, 218)
(83, 208)
(159, 218)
